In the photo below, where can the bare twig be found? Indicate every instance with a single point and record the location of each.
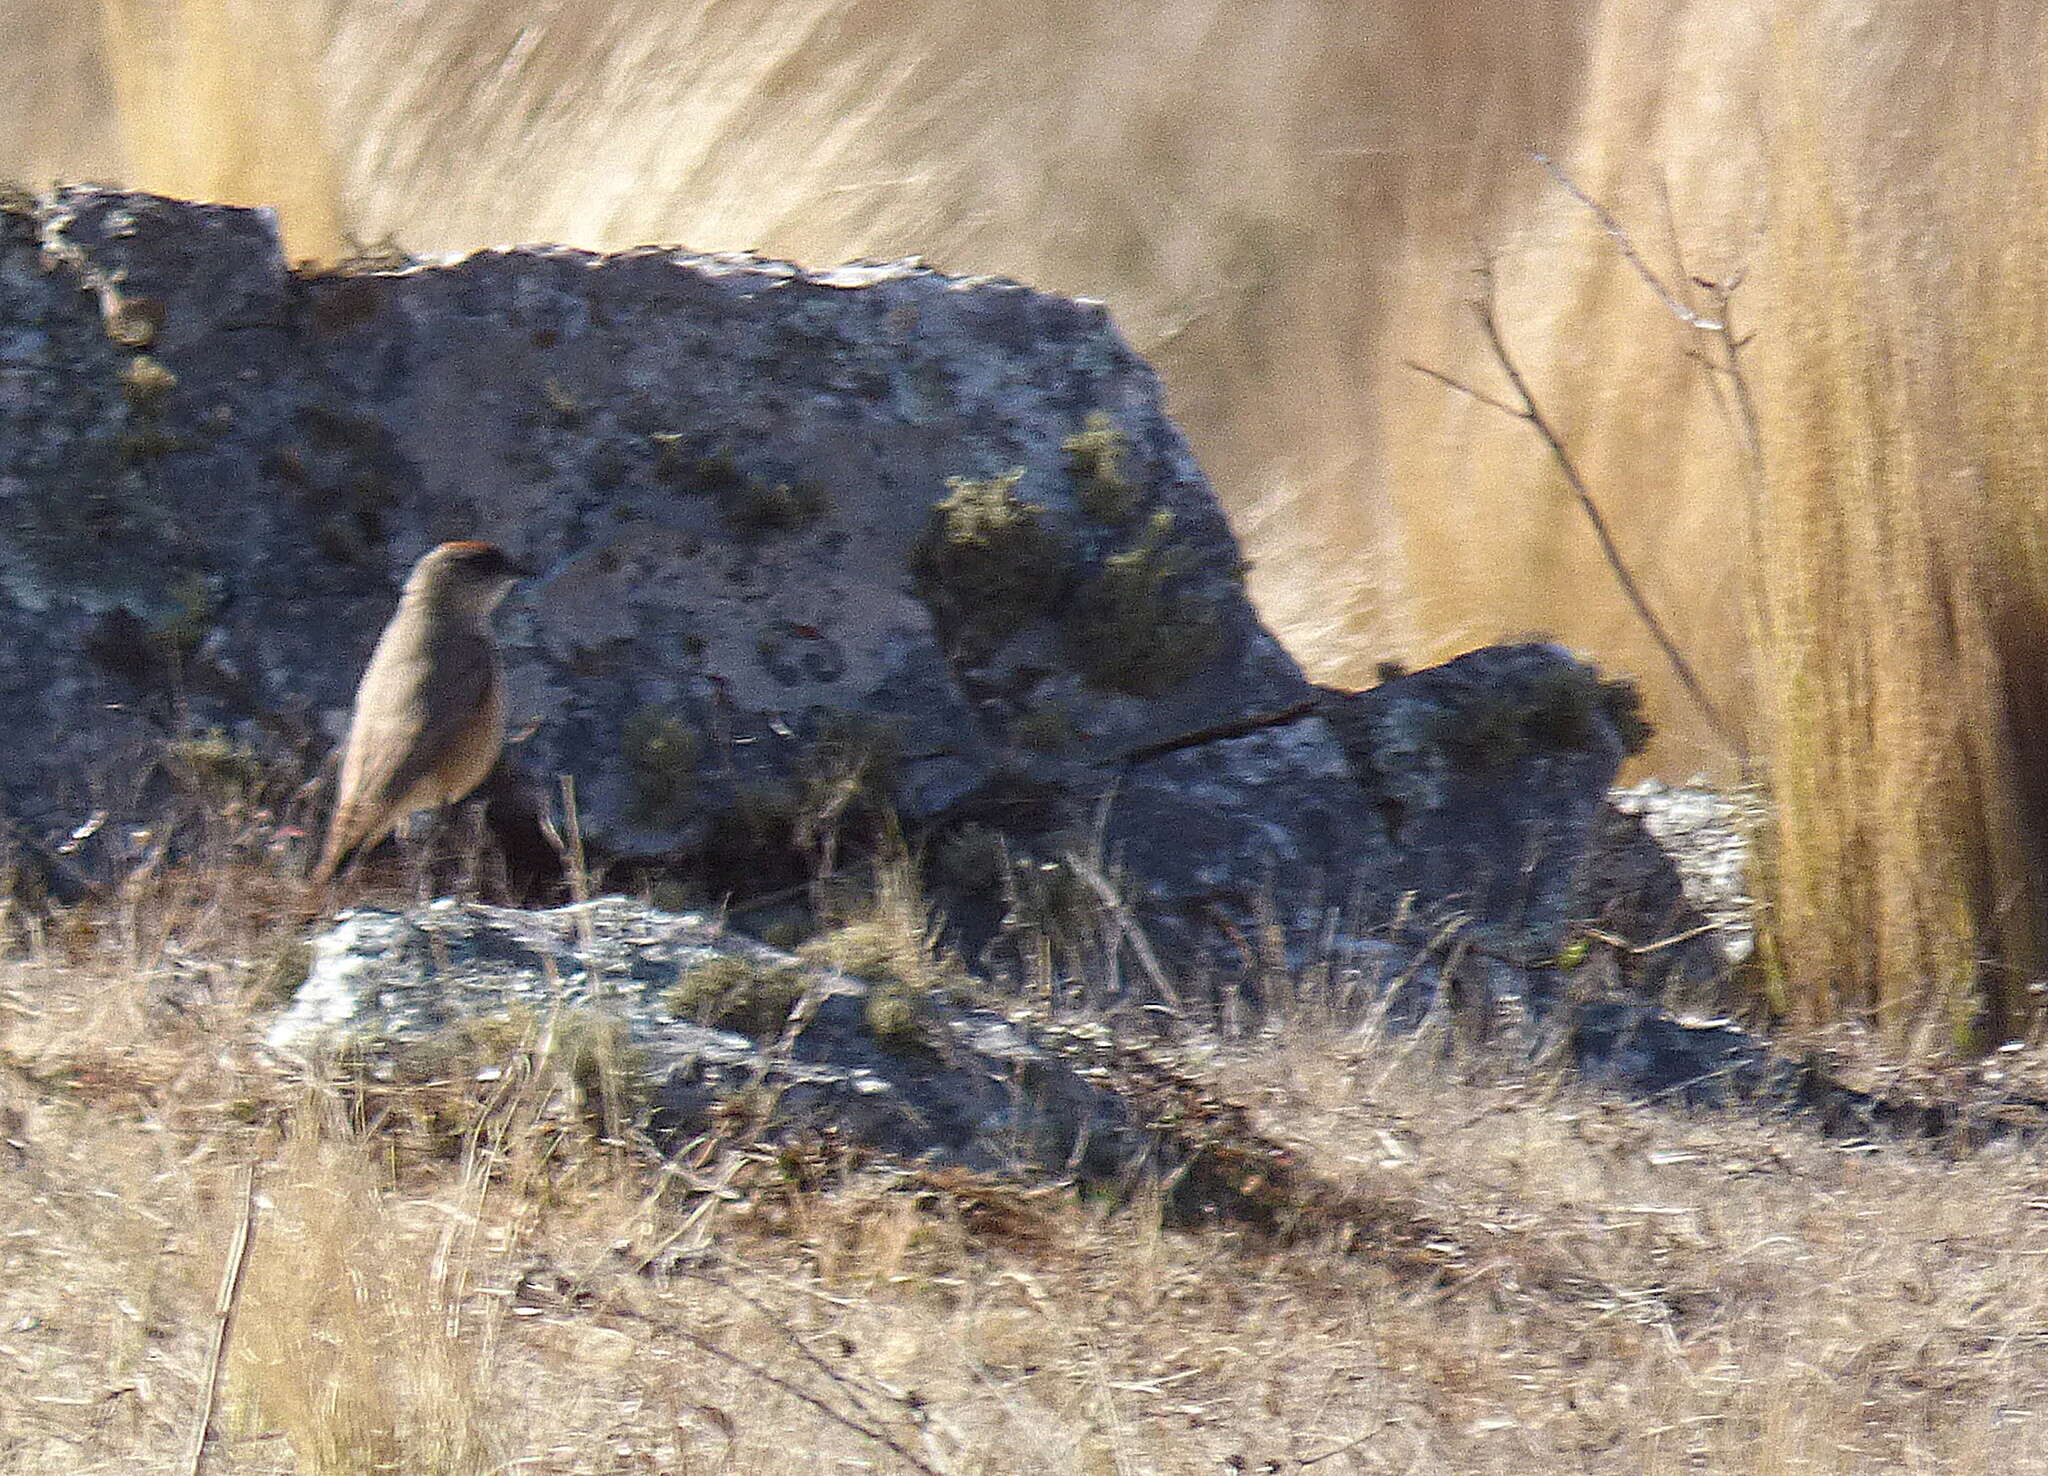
(1531, 413)
(858, 1394)
(1625, 244)
(1719, 326)
(797, 1391)
(223, 1321)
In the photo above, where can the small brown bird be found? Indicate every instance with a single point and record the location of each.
(430, 710)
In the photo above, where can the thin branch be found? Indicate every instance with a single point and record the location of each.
(854, 1390)
(1529, 412)
(1720, 327)
(1466, 390)
(1106, 894)
(797, 1391)
(1625, 243)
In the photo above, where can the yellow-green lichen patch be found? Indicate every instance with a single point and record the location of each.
(1131, 628)
(661, 753)
(731, 993)
(221, 771)
(561, 401)
(145, 382)
(132, 322)
(1048, 728)
(1096, 461)
(987, 562)
(752, 507)
(189, 616)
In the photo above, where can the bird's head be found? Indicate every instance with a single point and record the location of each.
(467, 575)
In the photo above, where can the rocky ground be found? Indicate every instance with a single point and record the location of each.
(1462, 1261)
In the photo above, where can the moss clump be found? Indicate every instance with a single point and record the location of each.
(760, 509)
(341, 539)
(449, 1088)
(899, 1015)
(335, 427)
(220, 770)
(762, 817)
(661, 755)
(903, 973)
(1047, 728)
(190, 616)
(595, 1052)
(752, 507)
(1566, 704)
(1622, 700)
(731, 993)
(987, 563)
(1560, 707)
(1095, 460)
(1130, 629)
(145, 382)
(871, 948)
(279, 975)
(148, 442)
(673, 462)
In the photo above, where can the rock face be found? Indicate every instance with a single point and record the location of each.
(947, 1084)
(815, 547)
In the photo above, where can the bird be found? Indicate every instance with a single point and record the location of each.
(429, 717)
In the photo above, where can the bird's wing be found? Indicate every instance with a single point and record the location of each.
(389, 752)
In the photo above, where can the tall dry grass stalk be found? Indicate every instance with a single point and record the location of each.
(1857, 687)
(1900, 587)
(354, 1338)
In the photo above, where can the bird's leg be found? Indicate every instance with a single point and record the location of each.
(469, 855)
(418, 840)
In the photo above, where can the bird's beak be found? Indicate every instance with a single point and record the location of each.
(519, 569)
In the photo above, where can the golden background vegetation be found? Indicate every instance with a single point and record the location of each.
(1283, 203)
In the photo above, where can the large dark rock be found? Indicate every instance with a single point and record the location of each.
(1458, 800)
(815, 546)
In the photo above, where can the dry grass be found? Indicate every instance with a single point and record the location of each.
(1526, 1277)
(1898, 592)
